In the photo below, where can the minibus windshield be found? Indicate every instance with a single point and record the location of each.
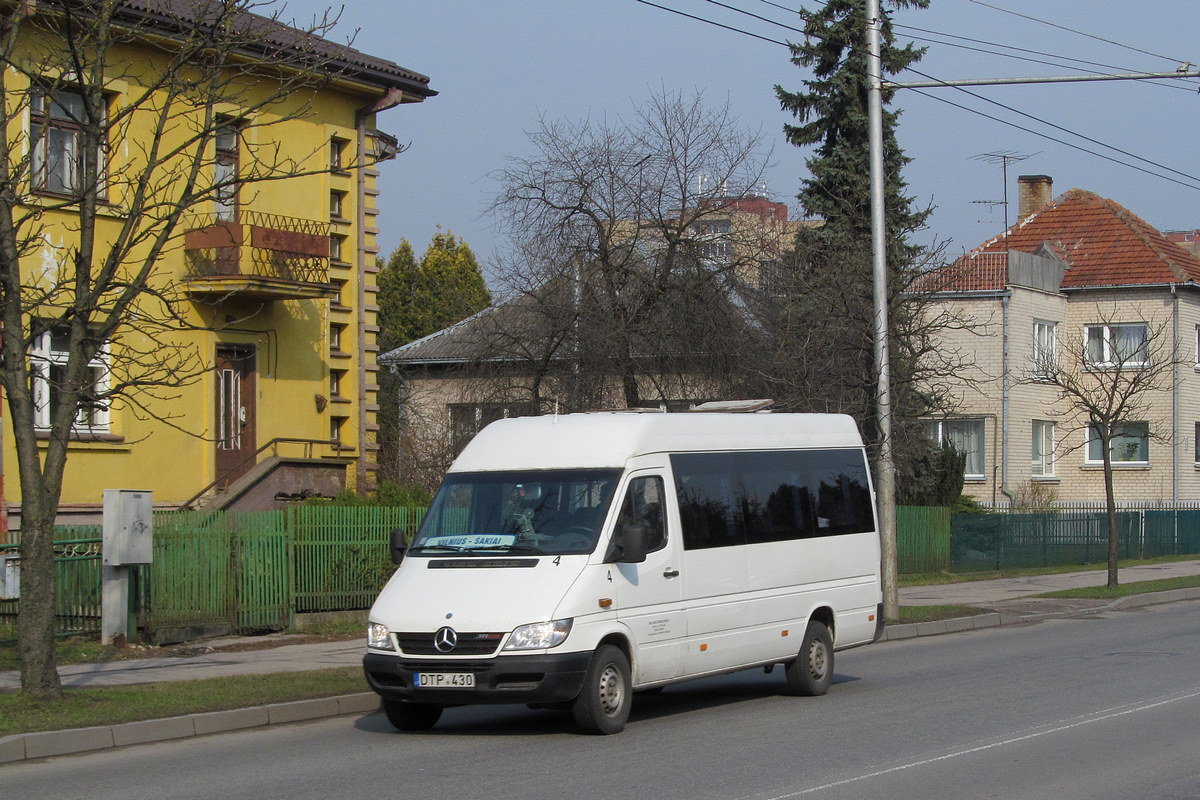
(551, 512)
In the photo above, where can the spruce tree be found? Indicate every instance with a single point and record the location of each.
(824, 305)
(415, 300)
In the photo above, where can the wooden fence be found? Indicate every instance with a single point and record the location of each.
(245, 571)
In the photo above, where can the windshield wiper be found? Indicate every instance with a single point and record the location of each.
(510, 548)
(454, 548)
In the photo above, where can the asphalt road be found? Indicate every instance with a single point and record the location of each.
(1105, 706)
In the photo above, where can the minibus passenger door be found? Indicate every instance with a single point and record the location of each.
(649, 593)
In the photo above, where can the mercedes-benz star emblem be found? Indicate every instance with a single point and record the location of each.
(445, 640)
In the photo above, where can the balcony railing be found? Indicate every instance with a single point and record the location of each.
(258, 254)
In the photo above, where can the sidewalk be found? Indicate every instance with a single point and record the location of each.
(1008, 601)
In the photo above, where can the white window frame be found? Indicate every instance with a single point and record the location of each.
(1045, 347)
(1094, 457)
(1101, 343)
(43, 359)
(956, 432)
(1042, 461)
(227, 146)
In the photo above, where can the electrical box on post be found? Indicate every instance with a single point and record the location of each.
(128, 525)
(10, 577)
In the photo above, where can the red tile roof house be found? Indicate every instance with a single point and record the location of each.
(1079, 279)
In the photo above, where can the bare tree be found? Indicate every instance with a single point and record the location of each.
(1107, 383)
(111, 111)
(623, 243)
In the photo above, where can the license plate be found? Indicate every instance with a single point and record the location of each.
(444, 680)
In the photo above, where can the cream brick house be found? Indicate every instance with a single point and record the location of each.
(1079, 278)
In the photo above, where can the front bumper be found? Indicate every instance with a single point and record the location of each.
(504, 679)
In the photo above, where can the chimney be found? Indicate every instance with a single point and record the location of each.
(1035, 192)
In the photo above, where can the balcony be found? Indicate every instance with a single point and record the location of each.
(258, 256)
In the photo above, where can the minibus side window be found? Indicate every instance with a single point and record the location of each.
(708, 495)
(643, 506)
(771, 496)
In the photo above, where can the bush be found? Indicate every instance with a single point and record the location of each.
(969, 505)
(389, 494)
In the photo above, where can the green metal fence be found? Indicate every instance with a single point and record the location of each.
(999, 541)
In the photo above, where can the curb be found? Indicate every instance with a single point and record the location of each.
(995, 618)
(44, 744)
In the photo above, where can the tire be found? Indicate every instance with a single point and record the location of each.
(811, 673)
(411, 716)
(603, 704)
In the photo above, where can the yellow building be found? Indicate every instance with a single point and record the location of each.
(260, 310)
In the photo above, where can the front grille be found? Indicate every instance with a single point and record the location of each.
(469, 644)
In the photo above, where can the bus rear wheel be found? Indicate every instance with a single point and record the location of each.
(812, 671)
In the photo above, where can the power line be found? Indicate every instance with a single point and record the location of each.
(1048, 137)
(1061, 128)
(1077, 33)
(714, 22)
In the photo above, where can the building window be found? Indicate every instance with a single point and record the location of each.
(337, 154)
(337, 246)
(225, 170)
(335, 429)
(1045, 345)
(1196, 443)
(1043, 449)
(468, 419)
(965, 436)
(335, 382)
(1130, 444)
(1118, 345)
(48, 356)
(56, 133)
(335, 337)
(337, 205)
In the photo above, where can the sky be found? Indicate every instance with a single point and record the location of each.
(500, 64)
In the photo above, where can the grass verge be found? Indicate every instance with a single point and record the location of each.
(84, 708)
(1127, 589)
(937, 578)
(913, 614)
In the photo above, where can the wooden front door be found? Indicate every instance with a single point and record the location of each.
(235, 388)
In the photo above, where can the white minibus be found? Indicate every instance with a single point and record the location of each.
(572, 561)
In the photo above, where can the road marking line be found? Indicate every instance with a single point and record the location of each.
(1099, 716)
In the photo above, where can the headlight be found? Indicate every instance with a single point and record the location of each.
(539, 635)
(378, 637)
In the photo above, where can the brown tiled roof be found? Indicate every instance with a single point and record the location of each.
(1102, 242)
(167, 16)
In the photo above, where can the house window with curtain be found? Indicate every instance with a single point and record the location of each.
(1130, 444)
(1043, 449)
(225, 173)
(56, 136)
(967, 437)
(1118, 345)
(48, 355)
(1045, 338)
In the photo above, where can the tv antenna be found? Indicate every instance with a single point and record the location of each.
(1003, 158)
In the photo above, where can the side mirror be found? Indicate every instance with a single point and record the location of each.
(397, 545)
(632, 544)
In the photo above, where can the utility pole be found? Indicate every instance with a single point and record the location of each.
(885, 473)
